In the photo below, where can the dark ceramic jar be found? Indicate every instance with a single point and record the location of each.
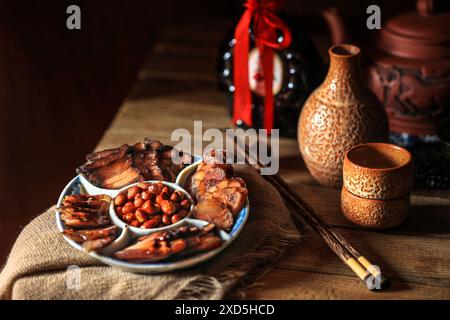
(410, 69)
(298, 70)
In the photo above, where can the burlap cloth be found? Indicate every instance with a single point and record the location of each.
(37, 265)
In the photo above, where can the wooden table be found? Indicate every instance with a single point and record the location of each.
(177, 86)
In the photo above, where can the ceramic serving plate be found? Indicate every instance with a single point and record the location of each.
(80, 185)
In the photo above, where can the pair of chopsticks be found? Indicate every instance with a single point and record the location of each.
(360, 265)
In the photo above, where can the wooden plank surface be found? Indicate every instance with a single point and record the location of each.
(416, 255)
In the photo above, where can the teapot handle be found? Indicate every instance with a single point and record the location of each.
(429, 7)
(336, 25)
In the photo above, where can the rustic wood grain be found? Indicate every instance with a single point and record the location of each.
(291, 284)
(430, 216)
(404, 258)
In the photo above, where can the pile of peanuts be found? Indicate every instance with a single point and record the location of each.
(151, 205)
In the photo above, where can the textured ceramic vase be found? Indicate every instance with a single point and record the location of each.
(340, 114)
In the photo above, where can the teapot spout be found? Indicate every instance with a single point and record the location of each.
(336, 25)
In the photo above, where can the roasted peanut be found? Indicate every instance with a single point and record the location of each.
(128, 207)
(154, 189)
(152, 222)
(145, 195)
(165, 193)
(132, 192)
(180, 195)
(175, 218)
(120, 199)
(151, 205)
(141, 215)
(129, 217)
(159, 198)
(175, 197)
(167, 207)
(166, 219)
(179, 215)
(135, 223)
(119, 211)
(185, 204)
(147, 206)
(138, 201)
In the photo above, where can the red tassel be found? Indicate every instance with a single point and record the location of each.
(265, 26)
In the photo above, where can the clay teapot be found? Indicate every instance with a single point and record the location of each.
(410, 69)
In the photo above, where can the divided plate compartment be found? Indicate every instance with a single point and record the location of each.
(80, 185)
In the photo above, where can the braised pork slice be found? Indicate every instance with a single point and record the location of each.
(97, 244)
(215, 211)
(207, 176)
(85, 211)
(93, 239)
(114, 175)
(80, 236)
(149, 250)
(79, 219)
(96, 202)
(116, 168)
(147, 163)
(233, 197)
(181, 242)
(104, 158)
(219, 195)
(153, 144)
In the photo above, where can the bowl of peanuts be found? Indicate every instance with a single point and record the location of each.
(151, 206)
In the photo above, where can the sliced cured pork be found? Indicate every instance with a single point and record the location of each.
(219, 195)
(119, 167)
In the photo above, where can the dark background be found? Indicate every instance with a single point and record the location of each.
(59, 89)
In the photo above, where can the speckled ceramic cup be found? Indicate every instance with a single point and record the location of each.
(378, 171)
(374, 214)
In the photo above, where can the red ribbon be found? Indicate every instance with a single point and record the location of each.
(265, 26)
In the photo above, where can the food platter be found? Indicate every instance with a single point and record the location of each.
(127, 235)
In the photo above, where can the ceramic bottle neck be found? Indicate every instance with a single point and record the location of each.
(345, 67)
(344, 80)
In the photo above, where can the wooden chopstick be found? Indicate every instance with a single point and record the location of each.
(359, 264)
